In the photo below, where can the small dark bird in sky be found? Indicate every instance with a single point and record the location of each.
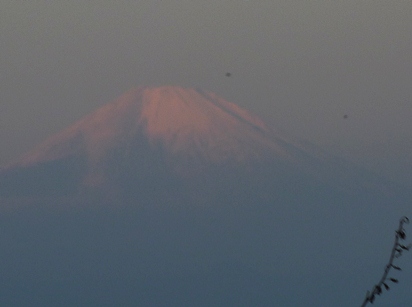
(228, 74)
(345, 116)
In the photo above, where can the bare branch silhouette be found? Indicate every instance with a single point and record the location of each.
(396, 252)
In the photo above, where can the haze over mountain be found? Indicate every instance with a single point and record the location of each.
(176, 197)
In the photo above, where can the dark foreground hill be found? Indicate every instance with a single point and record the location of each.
(176, 197)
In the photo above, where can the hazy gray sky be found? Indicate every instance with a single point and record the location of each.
(301, 65)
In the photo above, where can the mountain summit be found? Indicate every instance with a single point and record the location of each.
(193, 129)
(152, 134)
(186, 122)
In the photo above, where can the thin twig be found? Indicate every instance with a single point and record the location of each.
(396, 252)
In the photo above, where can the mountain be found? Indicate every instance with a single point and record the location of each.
(166, 133)
(192, 126)
(176, 197)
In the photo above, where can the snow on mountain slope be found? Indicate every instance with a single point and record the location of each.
(187, 123)
(171, 130)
